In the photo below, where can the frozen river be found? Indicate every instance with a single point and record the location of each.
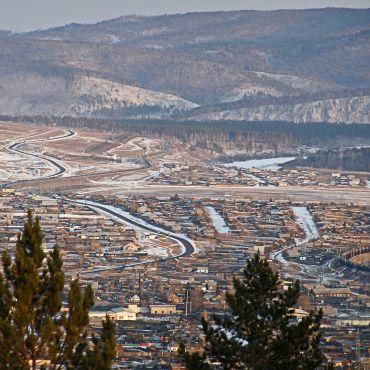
(306, 222)
(270, 164)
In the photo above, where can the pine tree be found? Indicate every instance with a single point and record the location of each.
(34, 330)
(261, 332)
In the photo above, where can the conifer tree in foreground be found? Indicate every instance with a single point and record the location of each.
(33, 330)
(260, 333)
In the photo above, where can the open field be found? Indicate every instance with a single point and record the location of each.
(171, 212)
(95, 162)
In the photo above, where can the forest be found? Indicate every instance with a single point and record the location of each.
(248, 137)
(351, 159)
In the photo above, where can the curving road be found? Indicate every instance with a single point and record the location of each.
(60, 168)
(186, 244)
(68, 133)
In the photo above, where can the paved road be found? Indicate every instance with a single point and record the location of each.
(189, 249)
(60, 168)
(136, 221)
(68, 133)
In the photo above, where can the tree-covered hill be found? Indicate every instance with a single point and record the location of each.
(205, 59)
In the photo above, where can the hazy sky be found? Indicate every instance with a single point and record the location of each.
(25, 15)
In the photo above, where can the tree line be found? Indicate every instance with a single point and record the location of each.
(276, 136)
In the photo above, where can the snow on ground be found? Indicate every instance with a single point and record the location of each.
(279, 257)
(105, 94)
(35, 158)
(67, 135)
(5, 157)
(147, 141)
(23, 167)
(129, 216)
(129, 182)
(254, 88)
(132, 145)
(272, 164)
(157, 251)
(306, 222)
(255, 178)
(218, 221)
(293, 81)
(249, 90)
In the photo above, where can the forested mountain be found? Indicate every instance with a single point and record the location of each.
(350, 159)
(296, 65)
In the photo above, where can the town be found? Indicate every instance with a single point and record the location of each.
(185, 185)
(157, 263)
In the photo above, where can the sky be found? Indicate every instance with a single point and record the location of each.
(27, 15)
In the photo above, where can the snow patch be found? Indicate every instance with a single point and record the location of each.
(140, 221)
(306, 222)
(218, 221)
(96, 94)
(272, 164)
(293, 81)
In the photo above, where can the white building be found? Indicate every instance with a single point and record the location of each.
(116, 314)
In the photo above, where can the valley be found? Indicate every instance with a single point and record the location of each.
(167, 157)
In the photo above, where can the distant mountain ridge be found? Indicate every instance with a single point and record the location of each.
(177, 63)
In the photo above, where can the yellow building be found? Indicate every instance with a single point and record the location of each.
(162, 309)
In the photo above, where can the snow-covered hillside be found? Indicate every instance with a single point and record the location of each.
(295, 82)
(347, 110)
(95, 94)
(274, 84)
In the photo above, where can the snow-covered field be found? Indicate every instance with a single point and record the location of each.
(157, 251)
(36, 157)
(15, 167)
(272, 164)
(218, 221)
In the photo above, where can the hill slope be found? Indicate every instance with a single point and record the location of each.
(206, 59)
